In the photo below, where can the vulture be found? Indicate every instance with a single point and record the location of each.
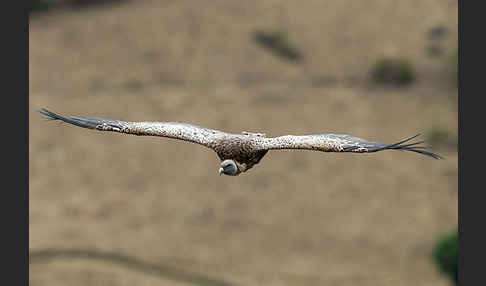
(240, 152)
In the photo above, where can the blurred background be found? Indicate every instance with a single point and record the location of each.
(112, 209)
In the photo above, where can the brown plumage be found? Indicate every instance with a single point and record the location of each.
(239, 152)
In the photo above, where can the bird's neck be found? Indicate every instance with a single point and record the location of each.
(241, 167)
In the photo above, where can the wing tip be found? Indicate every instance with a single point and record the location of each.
(81, 122)
(45, 112)
(49, 115)
(412, 147)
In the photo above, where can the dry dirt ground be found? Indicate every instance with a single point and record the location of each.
(112, 209)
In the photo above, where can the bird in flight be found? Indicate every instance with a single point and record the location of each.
(240, 152)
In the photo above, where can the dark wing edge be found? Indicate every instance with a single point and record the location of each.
(90, 123)
(371, 147)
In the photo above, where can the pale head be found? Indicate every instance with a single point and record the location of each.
(229, 167)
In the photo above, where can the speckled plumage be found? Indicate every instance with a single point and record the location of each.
(246, 149)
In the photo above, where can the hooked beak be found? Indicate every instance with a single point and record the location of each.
(220, 171)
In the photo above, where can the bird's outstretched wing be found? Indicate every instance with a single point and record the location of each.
(342, 143)
(175, 130)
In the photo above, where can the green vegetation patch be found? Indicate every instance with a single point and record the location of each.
(445, 254)
(395, 71)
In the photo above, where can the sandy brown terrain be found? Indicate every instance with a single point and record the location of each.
(297, 218)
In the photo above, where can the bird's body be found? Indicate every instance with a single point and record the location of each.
(245, 150)
(239, 152)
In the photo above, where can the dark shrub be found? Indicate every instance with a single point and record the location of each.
(393, 71)
(445, 254)
(278, 43)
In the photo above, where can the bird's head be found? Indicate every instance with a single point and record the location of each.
(229, 167)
